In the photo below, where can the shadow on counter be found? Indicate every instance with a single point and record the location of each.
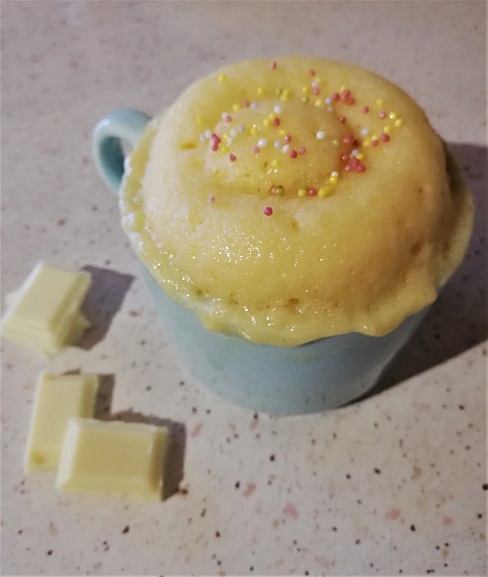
(458, 319)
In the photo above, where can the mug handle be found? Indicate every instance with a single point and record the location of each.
(122, 124)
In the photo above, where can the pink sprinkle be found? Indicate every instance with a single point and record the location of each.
(311, 72)
(301, 150)
(316, 90)
(393, 513)
(348, 139)
(382, 114)
(268, 211)
(345, 94)
(255, 149)
(215, 146)
(273, 66)
(312, 191)
(348, 168)
(350, 101)
(374, 142)
(360, 167)
(342, 119)
(232, 157)
(365, 109)
(335, 97)
(227, 118)
(293, 153)
(276, 121)
(287, 138)
(215, 138)
(384, 137)
(291, 511)
(249, 490)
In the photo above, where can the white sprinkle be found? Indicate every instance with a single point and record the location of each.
(262, 142)
(277, 144)
(224, 115)
(285, 148)
(208, 133)
(254, 104)
(328, 100)
(240, 128)
(329, 108)
(230, 140)
(364, 131)
(203, 138)
(278, 109)
(320, 135)
(314, 83)
(334, 173)
(354, 152)
(233, 132)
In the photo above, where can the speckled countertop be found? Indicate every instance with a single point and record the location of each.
(395, 484)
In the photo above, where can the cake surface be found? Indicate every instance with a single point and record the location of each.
(284, 201)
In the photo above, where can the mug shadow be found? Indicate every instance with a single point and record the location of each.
(458, 320)
(103, 301)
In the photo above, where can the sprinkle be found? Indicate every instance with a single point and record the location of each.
(328, 100)
(268, 211)
(364, 131)
(260, 90)
(311, 72)
(262, 142)
(354, 152)
(329, 108)
(232, 157)
(348, 139)
(316, 90)
(342, 119)
(245, 104)
(382, 115)
(333, 179)
(233, 132)
(215, 146)
(345, 157)
(360, 168)
(345, 94)
(254, 104)
(301, 150)
(360, 156)
(266, 122)
(318, 102)
(287, 138)
(202, 138)
(293, 153)
(276, 121)
(208, 133)
(228, 118)
(398, 122)
(305, 98)
(312, 191)
(335, 97)
(367, 142)
(365, 109)
(229, 140)
(301, 192)
(324, 191)
(393, 116)
(273, 66)
(387, 129)
(253, 129)
(278, 109)
(241, 128)
(255, 149)
(379, 103)
(275, 163)
(224, 149)
(315, 83)
(279, 191)
(277, 144)
(335, 142)
(305, 90)
(350, 101)
(285, 95)
(374, 142)
(320, 135)
(211, 199)
(334, 173)
(236, 107)
(222, 78)
(285, 148)
(384, 137)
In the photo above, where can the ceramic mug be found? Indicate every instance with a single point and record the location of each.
(316, 376)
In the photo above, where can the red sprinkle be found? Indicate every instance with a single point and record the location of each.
(335, 97)
(360, 167)
(268, 211)
(311, 72)
(347, 168)
(342, 119)
(273, 66)
(348, 139)
(232, 157)
(374, 143)
(255, 149)
(215, 138)
(276, 121)
(215, 146)
(350, 101)
(301, 150)
(312, 191)
(384, 137)
(293, 153)
(287, 138)
(365, 109)
(345, 157)
(345, 95)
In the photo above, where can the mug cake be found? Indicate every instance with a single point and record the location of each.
(283, 201)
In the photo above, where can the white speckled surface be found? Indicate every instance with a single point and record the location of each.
(394, 484)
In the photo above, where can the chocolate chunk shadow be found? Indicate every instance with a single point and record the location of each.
(103, 301)
(173, 466)
(458, 320)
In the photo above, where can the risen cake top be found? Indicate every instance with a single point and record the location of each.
(288, 200)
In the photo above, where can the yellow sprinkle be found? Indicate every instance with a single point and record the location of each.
(342, 88)
(398, 122)
(387, 130)
(324, 191)
(260, 90)
(360, 156)
(266, 122)
(335, 142)
(224, 148)
(199, 120)
(305, 98)
(236, 107)
(286, 92)
(272, 115)
(374, 137)
(253, 130)
(305, 90)
(222, 78)
(379, 103)
(284, 98)
(367, 142)
(318, 102)
(301, 192)
(392, 115)
(333, 179)
(275, 162)
(282, 131)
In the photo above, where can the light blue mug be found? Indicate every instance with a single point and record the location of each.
(319, 375)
